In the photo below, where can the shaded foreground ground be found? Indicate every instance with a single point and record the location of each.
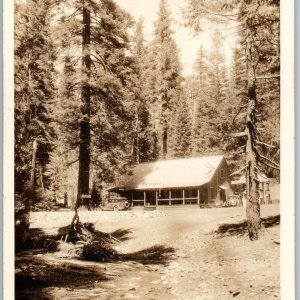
(213, 259)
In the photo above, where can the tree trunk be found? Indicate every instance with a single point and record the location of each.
(32, 174)
(253, 207)
(165, 142)
(136, 146)
(84, 148)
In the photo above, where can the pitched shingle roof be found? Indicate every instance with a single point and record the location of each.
(173, 173)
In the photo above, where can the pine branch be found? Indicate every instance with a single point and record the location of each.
(239, 134)
(241, 108)
(72, 162)
(72, 86)
(266, 161)
(74, 14)
(207, 11)
(238, 171)
(105, 65)
(268, 76)
(268, 165)
(113, 93)
(264, 144)
(101, 62)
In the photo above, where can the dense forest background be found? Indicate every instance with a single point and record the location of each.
(96, 98)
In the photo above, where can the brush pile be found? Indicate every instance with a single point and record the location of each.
(83, 241)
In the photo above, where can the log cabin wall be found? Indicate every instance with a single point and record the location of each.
(220, 178)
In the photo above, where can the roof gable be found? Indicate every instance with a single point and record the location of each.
(174, 173)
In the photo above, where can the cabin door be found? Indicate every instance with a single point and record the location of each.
(150, 198)
(203, 196)
(222, 195)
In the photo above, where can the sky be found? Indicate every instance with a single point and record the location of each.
(187, 42)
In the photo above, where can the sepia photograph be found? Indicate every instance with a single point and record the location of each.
(148, 149)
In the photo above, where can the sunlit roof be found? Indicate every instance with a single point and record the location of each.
(173, 173)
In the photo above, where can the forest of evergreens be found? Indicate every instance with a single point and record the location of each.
(97, 98)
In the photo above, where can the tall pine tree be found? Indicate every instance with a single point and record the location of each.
(34, 89)
(94, 36)
(257, 21)
(168, 85)
(143, 143)
(181, 130)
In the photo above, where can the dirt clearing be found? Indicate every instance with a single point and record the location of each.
(213, 259)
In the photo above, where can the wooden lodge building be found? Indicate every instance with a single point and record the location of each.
(199, 181)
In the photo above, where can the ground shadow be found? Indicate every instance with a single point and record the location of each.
(271, 221)
(33, 274)
(101, 247)
(122, 234)
(239, 229)
(158, 254)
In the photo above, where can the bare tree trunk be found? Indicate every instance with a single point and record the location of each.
(253, 207)
(84, 149)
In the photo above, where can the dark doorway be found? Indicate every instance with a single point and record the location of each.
(150, 198)
(203, 196)
(222, 195)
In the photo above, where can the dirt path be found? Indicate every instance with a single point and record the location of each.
(205, 266)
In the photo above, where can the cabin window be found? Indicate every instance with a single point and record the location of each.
(163, 194)
(138, 195)
(190, 193)
(176, 194)
(222, 173)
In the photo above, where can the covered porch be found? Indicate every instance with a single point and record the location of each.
(165, 197)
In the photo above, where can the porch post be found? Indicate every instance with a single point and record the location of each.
(144, 198)
(169, 197)
(198, 196)
(183, 201)
(156, 202)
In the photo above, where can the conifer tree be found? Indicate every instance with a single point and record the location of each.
(34, 88)
(216, 70)
(63, 165)
(143, 140)
(169, 78)
(151, 75)
(94, 36)
(235, 146)
(208, 94)
(257, 21)
(182, 129)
